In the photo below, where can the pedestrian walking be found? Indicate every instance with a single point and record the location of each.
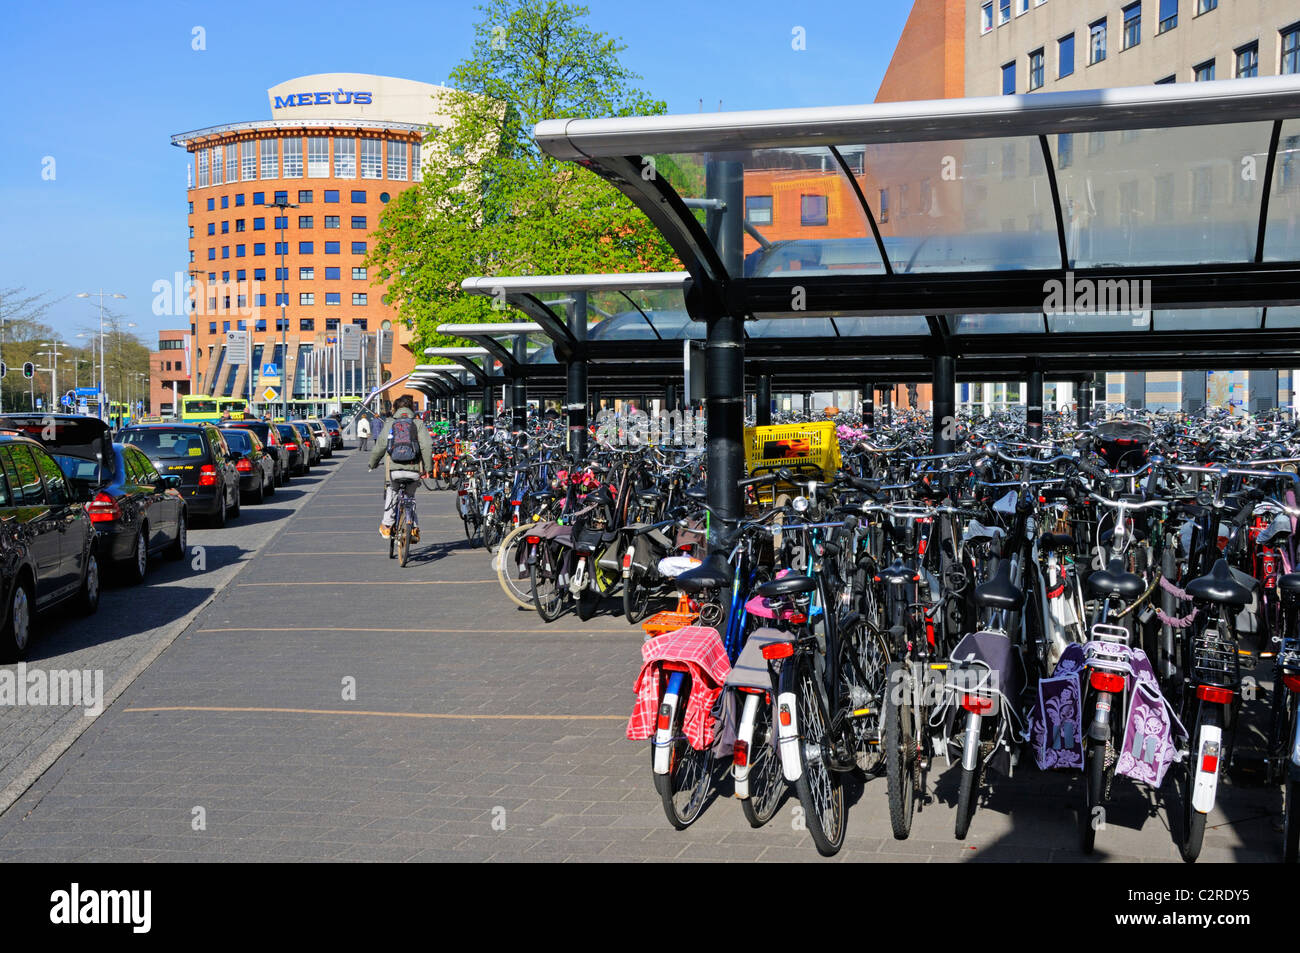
(363, 433)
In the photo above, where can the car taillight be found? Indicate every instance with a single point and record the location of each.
(102, 509)
(1292, 682)
(1106, 681)
(207, 475)
(243, 465)
(977, 704)
(291, 446)
(740, 754)
(1214, 695)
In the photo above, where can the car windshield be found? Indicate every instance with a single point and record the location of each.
(166, 443)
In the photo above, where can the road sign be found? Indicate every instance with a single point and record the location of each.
(270, 370)
(65, 400)
(352, 335)
(236, 347)
(270, 395)
(87, 392)
(40, 401)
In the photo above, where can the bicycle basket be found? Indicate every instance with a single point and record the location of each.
(803, 447)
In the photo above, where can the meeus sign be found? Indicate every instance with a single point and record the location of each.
(341, 97)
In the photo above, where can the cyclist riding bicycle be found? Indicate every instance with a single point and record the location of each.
(404, 445)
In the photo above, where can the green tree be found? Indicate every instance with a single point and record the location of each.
(490, 202)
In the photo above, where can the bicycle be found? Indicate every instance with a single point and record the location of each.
(399, 541)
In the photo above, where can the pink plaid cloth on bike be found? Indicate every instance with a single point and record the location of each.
(700, 649)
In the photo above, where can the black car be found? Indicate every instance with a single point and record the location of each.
(197, 453)
(269, 434)
(335, 430)
(256, 467)
(299, 458)
(136, 512)
(47, 543)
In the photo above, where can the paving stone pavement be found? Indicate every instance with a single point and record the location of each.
(477, 733)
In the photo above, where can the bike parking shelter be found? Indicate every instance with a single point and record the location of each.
(995, 222)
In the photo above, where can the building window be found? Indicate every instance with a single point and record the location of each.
(293, 158)
(232, 162)
(416, 174)
(358, 248)
(358, 274)
(306, 297)
(282, 248)
(1036, 70)
(333, 273)
(239, 200)
(345, 160)
(358, 297)
(1096, 41)
(191, 256)
(248, 159)
(212, 325)
(358, 197)
(318, 157)
(331, 221)
(261, 322)
(270, 159)
(259, 274)
(1248, 60)
(306, 324)
(225, 251)
(372, 159)
(331, 324)
(282, 324)
(239, 251)
(1004, 11)
(332, 297)
(201, 161)
(239, 224)
(397, 161)
(212, 228)
(1205, 6)
(191, 208)
(282, 274)
(1203, 72)
(813, 210)
(225, 201)
(1168, 16)
(259, 248)
(225, 228)
(986, 17)
(758, 211)
(212, 254)
(191, 231)
(259, 198)
(1009, 79)
(1064, 150)
(360, 322)
(1132, 25)
(259, 224)
(216, 165)
(306, 274)
(281, 221)
(332, 248)
(359, 221)
(212, 205)
(306, 248)
(305, 221)
(304, 197)
(1291, 49)
(281, 198)
(281, 299)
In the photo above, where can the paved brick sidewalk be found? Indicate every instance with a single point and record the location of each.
(469, 716)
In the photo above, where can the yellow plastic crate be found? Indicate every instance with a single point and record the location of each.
(794, 446)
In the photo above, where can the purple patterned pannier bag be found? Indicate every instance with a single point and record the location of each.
(1148, 747)
(1055, 723)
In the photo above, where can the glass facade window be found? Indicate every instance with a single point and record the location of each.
(1248, 61)
(1036, 69)
(345, 159)
(1096, 42)
(216, 166)
(232, 162)
(416, 174)
(397, 169)
(1168, 16)
(248, 159)
(372, 159)
(201, 165)
(1132, 25)
(293, 158)
(270, 159)
(358, 297)
(318, 157)
(358, 274)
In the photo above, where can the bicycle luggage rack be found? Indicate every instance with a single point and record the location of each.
(1214, 660)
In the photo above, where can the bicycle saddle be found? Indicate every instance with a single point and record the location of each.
(999, 592)
(790, 585)
(1289, 583)
(1049, 542)
(1220, 586)
(698, 492)
(713, 573)
(1115, 580)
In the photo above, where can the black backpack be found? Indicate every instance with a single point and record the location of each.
(402, 442)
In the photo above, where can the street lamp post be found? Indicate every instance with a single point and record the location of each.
(101, 294)
(282, 205)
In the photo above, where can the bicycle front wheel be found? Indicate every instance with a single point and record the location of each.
(819, 788)
(512, 568)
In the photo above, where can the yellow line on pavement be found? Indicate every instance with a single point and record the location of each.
(381, 714)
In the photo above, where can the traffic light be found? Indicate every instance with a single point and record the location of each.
(29, 370)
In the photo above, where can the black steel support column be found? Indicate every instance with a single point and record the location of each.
(868, 405)
(462, 413)
(518, 389)
(1034, 406)
(763, 401)
(724, 355)
(575, 394)
(888, 391)
(489, 405)
(945, 403)
(1083, 402)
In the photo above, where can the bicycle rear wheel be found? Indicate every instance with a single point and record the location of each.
(820, 790)
(900, 750)
(403, 539)
(766, 781)
(684, 790)
(542, 573)
(510, 556)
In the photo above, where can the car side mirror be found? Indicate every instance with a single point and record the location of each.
(169, 482)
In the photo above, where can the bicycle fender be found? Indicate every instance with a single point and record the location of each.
(787, 707)
(1209, 751)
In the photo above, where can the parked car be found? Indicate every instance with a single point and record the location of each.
(309, 442)
(272, 443)
(296, 453)
(320, 435)
(198, 454)
(335, 430)
(48, 546)
(136, 512)
(256, 467)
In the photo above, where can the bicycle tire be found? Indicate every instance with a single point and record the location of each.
(1094, 781)
(820, 790)
(1193, 820)
(966, 794)
(588, 603)
(900, 753)
(766, 780)
(541, 574)
(404, 543)
(684, 789)
(864, 665)
(518, 591)
(636, 598)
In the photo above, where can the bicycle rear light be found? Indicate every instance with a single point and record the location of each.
(1213, 694)
(740, 754)
(777, 650)
(1106, 681)
(977, 704)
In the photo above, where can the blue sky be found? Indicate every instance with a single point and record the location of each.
(99, 88)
